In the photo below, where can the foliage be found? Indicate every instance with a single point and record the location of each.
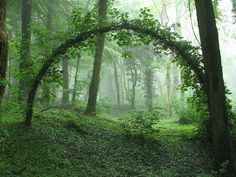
(103, 106)
(171, 127)
(221, 172)
(63, 143)
(142, 123)
(186, 113)
(234, 6)
(199, 103)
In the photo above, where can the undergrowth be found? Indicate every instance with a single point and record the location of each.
(64, 143)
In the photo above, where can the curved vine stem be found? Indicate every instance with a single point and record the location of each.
(187, 52)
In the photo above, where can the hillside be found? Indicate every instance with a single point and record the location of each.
(63, 143)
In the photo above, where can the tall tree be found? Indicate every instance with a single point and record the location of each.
(25, 48)
(148, 73)
(175, 80)
(3, 48)
(168, 87)
(94, 84)
(122, 91)
(125, 82)
(65, 70)
(49, 18)
(175, 68)
(134, 79)
(116, 82)
(214, 79)
(76, 77)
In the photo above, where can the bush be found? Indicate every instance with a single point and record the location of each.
(103, 106)
(185, 121)
(142, 123)
(186, 113)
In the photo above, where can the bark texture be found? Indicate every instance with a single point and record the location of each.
(3, 49)
(94, 84)
(214, 79)
(117, 82)
(168, 87)
(46, 89)
(25, 49)
(76, 78)
(65, 94)
(134, 78)
(149, 87)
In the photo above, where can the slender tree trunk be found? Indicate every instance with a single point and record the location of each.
(25, 49)
(175, 80)
(125, 84)
(134, 77)
(76, 77)
(121, 83)
(117, 83)
(94, 84)
(216, 8)
(168, 88)
(46, 90)
(149, 87)
(65, 94)
(3, 49)
(214, 78)
(9, 78)
(176, 75)
(159, 85)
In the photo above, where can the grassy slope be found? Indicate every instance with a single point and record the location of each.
(64, 144)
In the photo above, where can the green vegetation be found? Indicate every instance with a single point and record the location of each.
(117, 88)
(63, 143)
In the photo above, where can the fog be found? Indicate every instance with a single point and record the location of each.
(226, 29)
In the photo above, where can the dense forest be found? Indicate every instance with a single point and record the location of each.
(115, 88)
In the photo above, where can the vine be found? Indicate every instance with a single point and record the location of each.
(144, 30)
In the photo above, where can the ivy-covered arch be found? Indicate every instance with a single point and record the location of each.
(189, 58)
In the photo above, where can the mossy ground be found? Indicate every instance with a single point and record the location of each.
(62, 143)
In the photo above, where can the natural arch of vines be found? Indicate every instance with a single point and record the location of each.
(188, 58)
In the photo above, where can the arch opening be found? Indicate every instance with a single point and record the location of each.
(188, 55)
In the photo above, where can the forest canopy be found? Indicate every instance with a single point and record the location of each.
(147, 75)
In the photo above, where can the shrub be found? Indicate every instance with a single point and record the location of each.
(103, 106)
(186, 113)
(185, 120)
(142, 123)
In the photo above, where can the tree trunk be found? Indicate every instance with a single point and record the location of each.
(168, 87)
(9, 68)
(149, 87)
(125, 84)
(216, 8)
(159, 85)
(25, 53)
(117, 83)
(134, 77)
(176, 76)
(46, 90)
(3, 48)
(65, 94)
(76, 78)
(121, 83)
(234, 6)
(214, 78)
(94, 84)
(175, 80)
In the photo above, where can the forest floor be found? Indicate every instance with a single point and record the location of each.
(62, 143)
